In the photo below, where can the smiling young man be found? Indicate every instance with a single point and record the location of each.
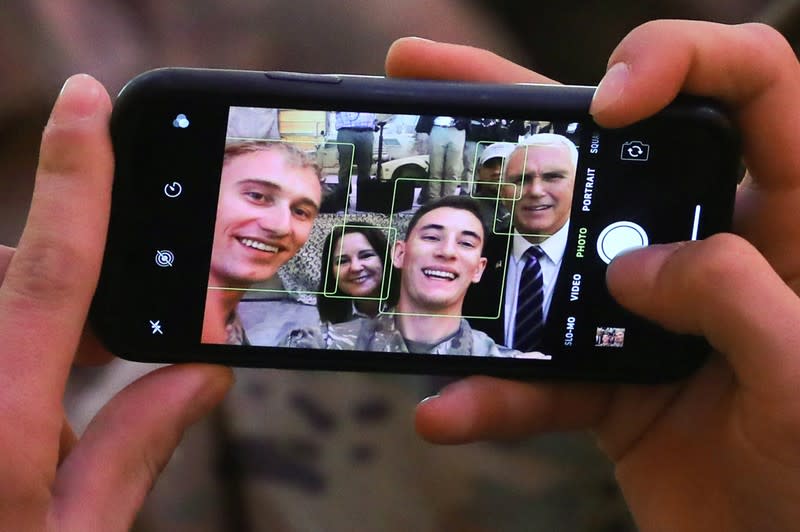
(270, 193)
(542, 172)
(440, 258)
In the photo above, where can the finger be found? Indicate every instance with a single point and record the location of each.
(91, 352)
(66, 441)
(5, 257)
(104, 481)
(50, 280)
(723, 289)
(411, 57)
(479, 408)
(750, 67)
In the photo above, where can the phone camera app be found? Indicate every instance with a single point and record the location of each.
(635, 150)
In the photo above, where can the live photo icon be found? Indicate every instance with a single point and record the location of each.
(181, 122)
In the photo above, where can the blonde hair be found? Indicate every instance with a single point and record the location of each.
(292, 155)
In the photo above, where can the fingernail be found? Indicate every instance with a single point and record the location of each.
(610, 88)
(76, 101)
(429, 398)
(423, 39)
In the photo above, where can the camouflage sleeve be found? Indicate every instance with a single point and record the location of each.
(305, 338)
(483, 345)
(503, 351)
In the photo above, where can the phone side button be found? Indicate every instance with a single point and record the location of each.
(301, 76)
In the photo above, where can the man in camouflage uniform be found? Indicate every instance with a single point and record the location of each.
(270, 193)
(383, 334)
(439, 259)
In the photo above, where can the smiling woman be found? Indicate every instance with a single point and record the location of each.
(353, 260)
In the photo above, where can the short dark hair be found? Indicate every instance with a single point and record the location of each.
(494, 162)
(464, 203)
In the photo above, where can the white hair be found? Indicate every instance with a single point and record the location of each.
(551, 139)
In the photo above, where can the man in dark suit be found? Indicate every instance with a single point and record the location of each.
(523, 260)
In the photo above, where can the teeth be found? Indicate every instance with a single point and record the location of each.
(261, 246)
(440, 274)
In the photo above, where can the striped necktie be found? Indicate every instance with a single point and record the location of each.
(529, 321)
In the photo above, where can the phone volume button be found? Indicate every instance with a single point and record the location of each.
(301, 76)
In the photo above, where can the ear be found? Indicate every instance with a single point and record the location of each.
(479, 270)
(398, 254)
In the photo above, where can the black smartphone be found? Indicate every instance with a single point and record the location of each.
(342, 222)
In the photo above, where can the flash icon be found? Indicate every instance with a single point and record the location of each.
(155, 326)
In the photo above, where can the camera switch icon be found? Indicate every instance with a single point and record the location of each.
(635, 150)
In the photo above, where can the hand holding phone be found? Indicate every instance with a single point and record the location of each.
(685, 446)
(53, 479)
(681, 450)
(311, 232)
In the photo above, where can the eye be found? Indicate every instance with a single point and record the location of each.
(515, 179)
(256, 197)
(468, 244)
(366, 254)
(302, 213)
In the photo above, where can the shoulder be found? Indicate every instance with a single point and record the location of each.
(484, 345)
(305, 337)
(346, 335)
(258, 318)
(326, 335)
(354, 326)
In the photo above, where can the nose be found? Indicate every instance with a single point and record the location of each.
(356, 264)
(447, 247)
(276, 220)
(535, 186)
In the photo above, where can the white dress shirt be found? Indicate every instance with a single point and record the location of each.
(550, 262)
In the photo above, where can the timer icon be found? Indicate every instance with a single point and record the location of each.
(173, 190)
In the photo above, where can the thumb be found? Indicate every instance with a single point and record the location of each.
(103, 482)
(721, 288)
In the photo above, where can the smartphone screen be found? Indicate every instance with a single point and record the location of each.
(339, 235)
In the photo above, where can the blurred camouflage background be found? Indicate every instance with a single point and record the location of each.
(327, 451)
(42, 42)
